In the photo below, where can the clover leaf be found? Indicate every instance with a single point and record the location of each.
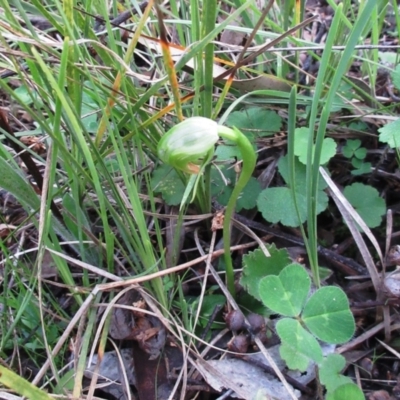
(327, 315)
(298, 346)
(286, 293)
(257, 266)
(353, 149)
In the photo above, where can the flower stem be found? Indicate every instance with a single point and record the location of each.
(249, 163)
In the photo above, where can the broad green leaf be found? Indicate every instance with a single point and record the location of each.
(28, 95)
(248, 198)
(367, 202)
(277, 205)
(226, 152)
(346, 392)
(112, 165)
(165, 180)
(256, 266)
(286, 293)
(298, 346)
(301, 174)
(258, 121)
(222, 183)
(230, 151)
(327, 315)
(330, 372)
(390, 134)
(396, 77)
(301, 146)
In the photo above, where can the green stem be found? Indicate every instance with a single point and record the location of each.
(249, 163)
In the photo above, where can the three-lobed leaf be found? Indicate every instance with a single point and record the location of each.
(287, 292)
(353, 149)
(327, 315)
(298, 346)
(350, 148)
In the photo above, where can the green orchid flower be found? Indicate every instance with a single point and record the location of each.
(189, 147)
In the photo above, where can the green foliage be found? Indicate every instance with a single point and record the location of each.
(287, 292)
(367, 202)
(277, 204)
(327, 315)
(298, 346)
(228, 151)
(165, 180)
(256, 122)
(353, 149)
(27, 323)
(208, 305)
(347, 391)
(28, 96)
(256, 266)
(89, 113)
(323, 314)
(21, 386)
(330, 372)
(301, 146)
(361, 167)
(390, 133)
(223, 183)
(356, 153)
(395, 74)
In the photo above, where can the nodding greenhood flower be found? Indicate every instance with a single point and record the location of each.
(189, 146)
(189, 143)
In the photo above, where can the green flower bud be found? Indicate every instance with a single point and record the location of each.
(188, 144)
